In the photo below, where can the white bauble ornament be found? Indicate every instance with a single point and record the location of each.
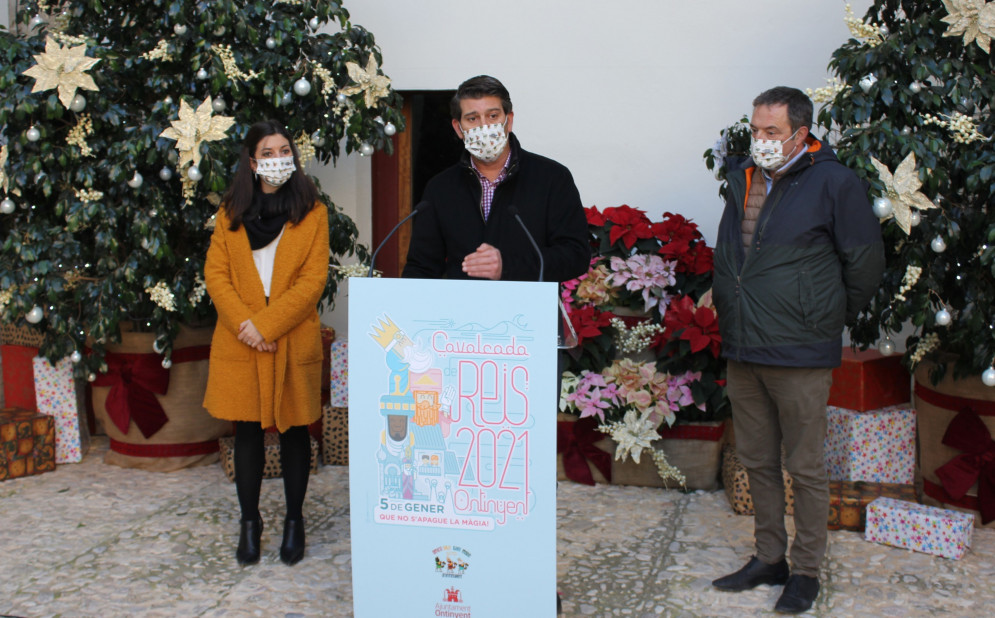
(867, 81)
(341, 98)
(91, 377)
(201, 73)
(938, 244)
(75, 356)
(886, 347)
(915, 218)
(167, 101)
(78, 103)
(317, 139)
(136, 181)
(35, 22)
(302, 87)
(194, 173)
(166, 363)
(365, 149)
(165, 173)
(33, 134)
(389, 129)
(179, 29)
(271, 43)
(915, 87)
(988, 376)
(219, 105)
(314, 23)
(943, 317)
(35, 315)
(882, 207)
(157, 347)
(7, 206)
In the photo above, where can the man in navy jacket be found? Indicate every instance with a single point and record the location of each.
(798, 254)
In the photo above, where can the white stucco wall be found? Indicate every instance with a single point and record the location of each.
(627, 94)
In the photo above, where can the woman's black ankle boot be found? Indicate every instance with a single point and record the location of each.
(248, 542)
(292, 549)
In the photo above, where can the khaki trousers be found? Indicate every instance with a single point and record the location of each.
(775, 406)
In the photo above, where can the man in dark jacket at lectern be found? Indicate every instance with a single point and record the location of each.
(798, 254)
(468, 228)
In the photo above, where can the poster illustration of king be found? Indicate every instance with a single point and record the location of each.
(452, 447)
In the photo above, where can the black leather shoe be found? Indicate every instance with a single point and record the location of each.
(292, 549)
(248, 542)
(753, 574)
(799, 594)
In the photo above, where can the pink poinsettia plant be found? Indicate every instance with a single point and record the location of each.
(648, 341)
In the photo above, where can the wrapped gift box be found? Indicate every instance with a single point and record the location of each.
(869, 380)
(18, 376)
(927, 529)
(877, 446)
(737, 484)
(339, 373)
(27, 443)
(848, 501)
(335, 435)
(272, 469)
(60, 396)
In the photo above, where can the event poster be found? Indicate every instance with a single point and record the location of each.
(452, 448)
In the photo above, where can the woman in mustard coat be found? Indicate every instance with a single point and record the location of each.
(266, 269)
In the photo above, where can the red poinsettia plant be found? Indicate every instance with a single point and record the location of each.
(646, 295)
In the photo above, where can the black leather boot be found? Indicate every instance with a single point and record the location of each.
(292, 549)
(248, 542)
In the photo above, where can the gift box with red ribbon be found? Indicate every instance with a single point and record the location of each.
(868, 380)
(582, 451)
(918, 527)
(877, 446)
(27, 443)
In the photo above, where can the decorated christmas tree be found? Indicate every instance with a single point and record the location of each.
(120, 126)
(910, 110)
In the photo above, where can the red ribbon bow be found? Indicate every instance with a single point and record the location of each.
(133, 379)
(575, 440)
(968, 433)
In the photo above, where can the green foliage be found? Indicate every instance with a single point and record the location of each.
(888, 122)
(88, 262)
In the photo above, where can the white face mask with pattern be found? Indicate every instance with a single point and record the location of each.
(275, 170)
(769, 153)
(486, 142)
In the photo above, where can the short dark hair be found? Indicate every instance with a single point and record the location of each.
(477, 88)
(799, 105)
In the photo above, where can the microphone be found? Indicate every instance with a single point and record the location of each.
(414, 211)
(514, 212)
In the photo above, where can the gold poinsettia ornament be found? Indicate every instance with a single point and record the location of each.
(195, 127)
(902, 188)
(975, 19)
(373, 86)
(63, 68)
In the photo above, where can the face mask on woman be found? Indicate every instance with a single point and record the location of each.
(275, 170)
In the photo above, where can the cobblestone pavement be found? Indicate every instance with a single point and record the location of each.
(96, 540)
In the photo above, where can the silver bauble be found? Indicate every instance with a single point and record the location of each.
(317, 139)
(180, 29)
(136, 181)
(166, 363)
(943, 317)
(7, 206)
(35, 22)
(915, 87)
(389, 129)
(219, 105)
(78, 103)
(886, 346)
(165, 173)
(938, 244)
(915, 218)
(194, 173)
(35, 315)
(988, 376)
(341, 98)
(201, 73)
(33, 134)
(302, 87)
(271, 43)
(314, 23)
(75, 356)
(365, 149)
(882, 207)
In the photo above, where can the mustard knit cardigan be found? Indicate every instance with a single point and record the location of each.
(281, 388)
